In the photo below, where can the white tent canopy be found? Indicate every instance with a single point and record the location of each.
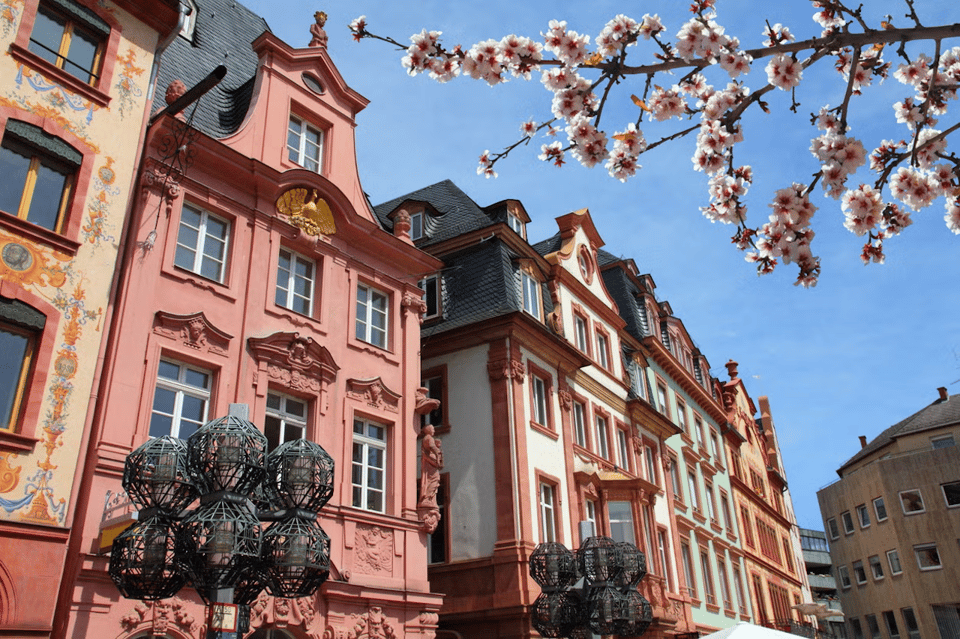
(748, 631)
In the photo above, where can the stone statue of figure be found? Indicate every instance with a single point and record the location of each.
(318, 35)
(431, 462)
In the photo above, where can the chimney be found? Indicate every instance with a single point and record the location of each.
(943, 394)
(863, 441)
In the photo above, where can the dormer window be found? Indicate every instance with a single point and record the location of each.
(431, 288)
(416, 225)
(517, 225)
(189, 21)
(585, 261)
(531, 294)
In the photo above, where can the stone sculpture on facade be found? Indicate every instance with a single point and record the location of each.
(318, 37)
(431, 462)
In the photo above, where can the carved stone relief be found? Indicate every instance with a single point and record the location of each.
(373, 550)
(160, 616)
(297, 362)
(193, 331)
(374, 394)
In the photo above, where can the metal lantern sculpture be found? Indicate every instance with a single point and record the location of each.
(607, 601)
(220, 547)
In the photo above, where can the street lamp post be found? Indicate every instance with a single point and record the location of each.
(220, 547)
(591, 591)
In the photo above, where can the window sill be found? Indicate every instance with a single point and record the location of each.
(730, 613)
(372, 349)
(39, 234)
(544, 430)
(714, 608)
(717, 528)
(303, 321)
(54, 74)
(699, 516)
(218, 289)
(17, 443)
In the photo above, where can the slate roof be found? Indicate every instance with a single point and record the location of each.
(224, 32)
(458, 214)
(480, 282)
(549, 245)
(939, 413)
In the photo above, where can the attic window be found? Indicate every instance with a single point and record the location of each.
(312, 83)
(585, 261)
(416, 225)
(189, 20)
(517, 225)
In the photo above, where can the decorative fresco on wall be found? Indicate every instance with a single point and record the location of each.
(126, 87)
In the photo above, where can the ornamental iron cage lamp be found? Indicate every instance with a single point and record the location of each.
(220, 547)
(592, 590)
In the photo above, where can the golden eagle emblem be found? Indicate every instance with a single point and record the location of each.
(307, 211)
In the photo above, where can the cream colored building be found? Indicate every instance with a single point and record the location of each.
(893, 523)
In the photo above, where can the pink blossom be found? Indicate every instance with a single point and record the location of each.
(529, 128)
(569, 46)
(777, 34)
(552, 152)
(927, 151)
(486, 165)
(358, 26)
(444, 68)
(886, 152)
(916, 74)
(520, 55)
(913, 188)
(736, 63)
(895, 219)
(619, 33)
(952, 218)
(650, 26)
(667, 103)
(482, 62)
(589, 144)
(828, 17)
(784, 72)
(862, 207)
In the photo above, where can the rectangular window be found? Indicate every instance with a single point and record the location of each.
(711, 505)
(623, 449)
(681, 415)
(856, 628)
(620, 514)
(662, 550)
(16, 356)
(675, 478)
(832, 528)
(910, 621)
(516, 224)
(891, 622)
(912, 502)
(715, 448)
(880, 509)
(738, 584)
(876, 567)
(202, 243)
(873, 626)
(707, 577)
(373, 309)
(893, 558)
(180, 399)
(369, 465)
(416, 226)
(434, 385)
(928, 558)
(431, 295)
(843, 576)
(650, 458)
(579, 426)
(859, 573)
(590, 515)
(724, 583)
(725, 510)
(305, 145)
(39, 171)
(687, 560)
(580, 332)
(745, 525)
(847, 522)
(602, 448)
(548, 522)
(540, 401)
(68, 43)
(295, 282)
(285, 419)
(603, 350)
(531, 294)
(637, 383)
(951, 493)
(863, 515)
(692, 487)
(698, 424)
(662, 399)
(437, 540)
(787, 553)
(945, 441)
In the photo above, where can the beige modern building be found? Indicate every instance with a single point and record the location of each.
(893, 521)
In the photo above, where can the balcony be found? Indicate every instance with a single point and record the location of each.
(793, 627)
(816, 558)
(822, 582)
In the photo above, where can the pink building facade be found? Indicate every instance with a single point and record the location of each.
(258, 274)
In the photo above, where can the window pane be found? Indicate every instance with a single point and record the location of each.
(82, 55)
(14, 166)
(168, 370)
(160, 425)
(164, 401)
(13, 354)
(46, 35)
(271, 428)
(47, 195)
(197, 378)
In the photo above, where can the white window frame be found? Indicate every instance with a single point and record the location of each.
(623, 522)
(204, 241)
(603, 350)
(435, 282)
(416, 225)
(694, 489)
(863, 516)
(637, 379)
(649, 459)
(922, 548)
(590, 515)
(366, 331)
(298, 155)
(876, 568)
(662, 399)
(859, 571)
(903, 506)
(540, 410)
(832, 528)
(517, 225)
(843, 576)
(707, 570)
(894, 556)
(847, 518)
(580, 332)
(530, 288)
(882, 506)
(603, 446)
(285, 417)
(287, 295)
(182, 389)
(364, 443)
(623, 449)
(943, 489)
(548, 510)
(579, 424)
(711, 504)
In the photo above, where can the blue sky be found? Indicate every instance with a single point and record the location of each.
(865, 348)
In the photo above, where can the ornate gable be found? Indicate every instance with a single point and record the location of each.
(297, 362)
